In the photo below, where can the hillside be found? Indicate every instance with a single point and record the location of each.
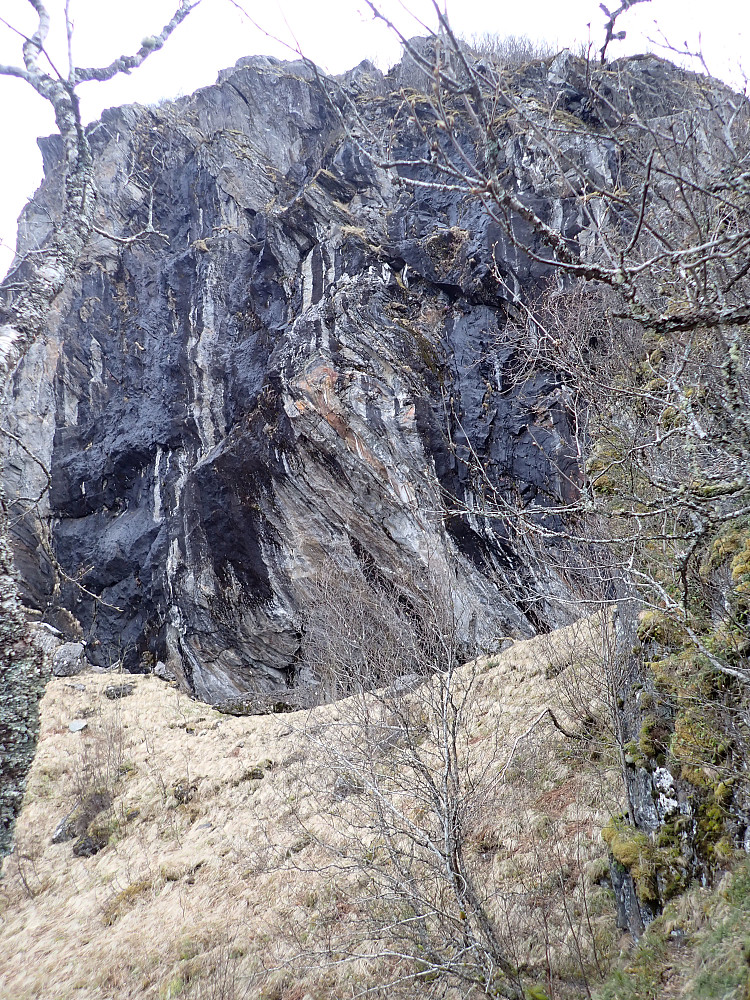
(222, 840)
(230, 860)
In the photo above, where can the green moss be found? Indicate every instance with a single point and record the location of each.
(634, 755)
(656, 626)
(740, 568)
(669, 835)
(697, 740)
(636, 853)
(658, 867)
(724, 851)
(652, 737)
(730, 642)
(666, 674)
(732, 541)
(535, 993)
(174, 987)
(671, 417)
(711, 817)
(604, 468)
(710, 808)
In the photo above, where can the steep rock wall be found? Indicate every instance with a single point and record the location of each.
(306, 361)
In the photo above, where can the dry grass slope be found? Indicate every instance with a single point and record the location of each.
(215, 880)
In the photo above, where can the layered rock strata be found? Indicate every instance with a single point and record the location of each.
(307, 360)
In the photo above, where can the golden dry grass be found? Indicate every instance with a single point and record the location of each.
(213, 868)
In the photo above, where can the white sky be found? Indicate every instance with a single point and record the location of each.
(337, 34)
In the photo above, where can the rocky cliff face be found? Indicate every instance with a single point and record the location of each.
(305, 361)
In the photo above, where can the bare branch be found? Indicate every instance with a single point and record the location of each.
(610, 33)
(34, 46)
(69, 37)
(15, 71)
(148, 229)
(530, 730)
(14, 29)
(124, 64)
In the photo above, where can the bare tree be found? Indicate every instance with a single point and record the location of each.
(412, 783)
(35, 280)
(400, 744)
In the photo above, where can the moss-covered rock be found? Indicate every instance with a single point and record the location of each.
(657, 865)
(24, 671)
(656, 626)
(634, 850)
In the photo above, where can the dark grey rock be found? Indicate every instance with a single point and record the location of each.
(632, 915)
(184, 792)
(271, 388)
(267, 704)
(76, 823)
(304, 370)
(89, 844)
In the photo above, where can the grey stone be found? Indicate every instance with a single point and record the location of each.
(65, 830)
(163, 671)
(88, 845)
(68, 660)
(403, 685)
(184, 791)
(116, 691)
(77, 725)
(632, 915)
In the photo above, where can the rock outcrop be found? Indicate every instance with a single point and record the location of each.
(305, 360)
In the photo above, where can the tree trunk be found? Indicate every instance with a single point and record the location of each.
(23, 675)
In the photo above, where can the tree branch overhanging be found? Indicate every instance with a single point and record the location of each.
(125, 64)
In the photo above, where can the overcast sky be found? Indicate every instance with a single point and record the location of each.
(337, 34)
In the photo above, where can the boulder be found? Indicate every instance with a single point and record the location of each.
(68, 660)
